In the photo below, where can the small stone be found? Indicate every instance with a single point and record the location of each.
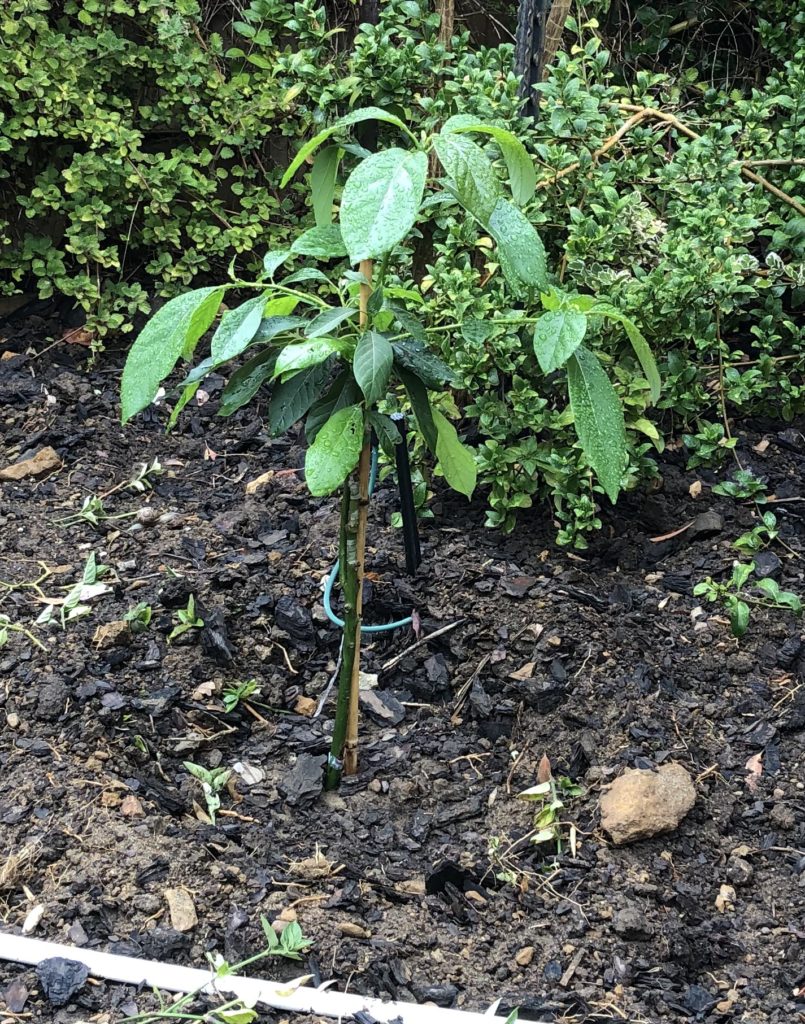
(305, 706)
(76, 934)
(642, 803)
(767, 565)
(61, 979)
(739, 870)
(631, 923)
(441, 995)
(288, 914)
(382, 706)
(524, 956)
(375, 786)
(726, 899)
(294, 619)
(517, 586)
(147, 515)
(112, 634)
(705, 525)
(305, 780)
(352, 930)
(182, 909)
(13, 720)
(44, 461)
(259, 482)
(131, 807)
(32, 919)
(16, 996)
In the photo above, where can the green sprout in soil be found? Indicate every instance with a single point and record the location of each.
(75, 604)
(212, 780)
(737, 602)
(7, 626)
(760, 536)
(743, 485)
(290, 945)
(139, 617)
(236, 692)
(144, 475)
(548, 825)
(187, 619)
(342, 349)
(93, 512)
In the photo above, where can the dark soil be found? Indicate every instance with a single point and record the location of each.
(100, 817)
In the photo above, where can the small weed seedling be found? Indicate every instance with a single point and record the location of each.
(548, 825)
(237, 692)
(188, 619)
(290, 945)
(760, 536)
(212, 782)
(93, 512)
(744, 485)
(75, 604)
(737, 601)
(139, 617)
(709, 446)
(7, 626)
(144, 475)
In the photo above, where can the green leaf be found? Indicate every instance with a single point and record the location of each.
(387, 433)
(328, 321)
(739, 618)
(769, 587)
(414, 356)
(186, 396)
(273, 260)
(291, 399)
(171, 333)
(471, 174)
(455, 458)
(322, 243)
(363, 114)
(335, 452)
(598, 415)
(271, 326)
(520, 249)
(409, 323)
(341, 393)
(788, 599)
(639, 344)
(284, 305)
(381, 201)
(475, 332)
(418, 395)
(522, 174)
(372, 364)
(237, 329)
(294, 358)
(557, 336)
(322, 184)
(308, 274)
(246, 381)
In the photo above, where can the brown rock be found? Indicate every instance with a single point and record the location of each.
(112, 634)
(131, 807)
(353, 931)
(525, 956)
(643, 803)
(43, 462)
(182, 909)
(305, 705)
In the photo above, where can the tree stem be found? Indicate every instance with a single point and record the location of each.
(352, 550)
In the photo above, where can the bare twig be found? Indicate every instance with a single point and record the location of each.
(419, 643)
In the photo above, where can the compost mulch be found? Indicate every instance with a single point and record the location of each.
(600, 659)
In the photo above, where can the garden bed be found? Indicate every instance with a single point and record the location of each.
(391, 877)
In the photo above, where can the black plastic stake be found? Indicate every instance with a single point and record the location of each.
(413, 555)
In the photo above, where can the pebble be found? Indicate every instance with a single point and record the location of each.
(524, 956)
(352, 930)
(642, 803)
(61, 979)
(13, 720)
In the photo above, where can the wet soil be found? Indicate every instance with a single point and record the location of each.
(601, 659)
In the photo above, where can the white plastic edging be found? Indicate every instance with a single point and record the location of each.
(171, 978)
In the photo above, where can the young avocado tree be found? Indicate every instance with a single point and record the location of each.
(333, 347)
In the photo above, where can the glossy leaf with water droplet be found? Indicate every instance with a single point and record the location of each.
(557, 335)
(335, 452)
(520, 249)
(598, 418)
